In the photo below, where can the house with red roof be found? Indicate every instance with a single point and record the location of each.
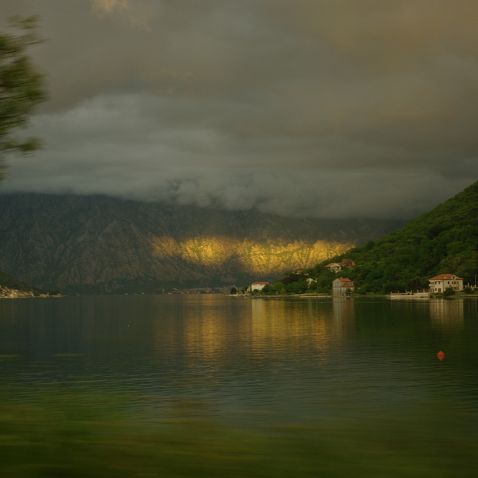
(342, 286)
(442, 282)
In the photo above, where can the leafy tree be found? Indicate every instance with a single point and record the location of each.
(448, 292)
(275, 288)
(21, 85)
(297, 287)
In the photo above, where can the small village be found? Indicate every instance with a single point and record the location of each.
(10, 293)
(441, 285)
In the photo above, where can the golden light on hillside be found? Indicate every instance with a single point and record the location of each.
(208, 251)
(254, 257)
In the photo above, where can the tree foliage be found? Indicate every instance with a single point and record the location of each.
(21, 84)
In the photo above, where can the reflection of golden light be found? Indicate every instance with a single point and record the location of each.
(344, 316)
(204, 337)
(266, 257)
(344, 308)
(212, 328)
(207, 324)
(447, 313)
(286, 326)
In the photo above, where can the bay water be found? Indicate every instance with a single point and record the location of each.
(219, 386)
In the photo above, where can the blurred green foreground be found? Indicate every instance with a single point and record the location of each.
(80, 434)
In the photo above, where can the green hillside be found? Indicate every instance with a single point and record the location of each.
(443, 240)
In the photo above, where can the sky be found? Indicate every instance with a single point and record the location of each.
(321, 108)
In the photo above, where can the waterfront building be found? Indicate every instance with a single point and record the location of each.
(442, 282)
(257, 286)
(342, 286)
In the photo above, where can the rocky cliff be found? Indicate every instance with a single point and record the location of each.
(102, 244)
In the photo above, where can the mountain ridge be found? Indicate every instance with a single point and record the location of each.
(103, 244)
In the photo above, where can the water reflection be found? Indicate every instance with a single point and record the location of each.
(211, 326)
(93, 384)
(447, 313)
(288, 327)
(41, 329)
(217, 328)
(344, 316)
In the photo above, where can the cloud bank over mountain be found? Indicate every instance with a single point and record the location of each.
(327, 109)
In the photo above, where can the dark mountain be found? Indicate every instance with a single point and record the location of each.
(443, 240)
(96, 243)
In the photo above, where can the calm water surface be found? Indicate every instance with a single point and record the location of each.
(224, 386)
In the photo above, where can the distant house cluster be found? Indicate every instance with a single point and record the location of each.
(442, 282)
(338, 266)
(342, 286)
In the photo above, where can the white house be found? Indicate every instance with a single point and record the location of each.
(338, 266)
(442, 282)
(257, 286)
(342, 286)
(310, 282)
(334, 267)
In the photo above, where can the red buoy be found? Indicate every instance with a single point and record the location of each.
(441, 355)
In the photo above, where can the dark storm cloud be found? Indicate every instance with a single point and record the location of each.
(325, 108)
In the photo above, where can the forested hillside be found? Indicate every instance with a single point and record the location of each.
(443, 240)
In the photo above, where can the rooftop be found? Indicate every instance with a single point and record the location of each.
(344, 279)
(446, 277)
